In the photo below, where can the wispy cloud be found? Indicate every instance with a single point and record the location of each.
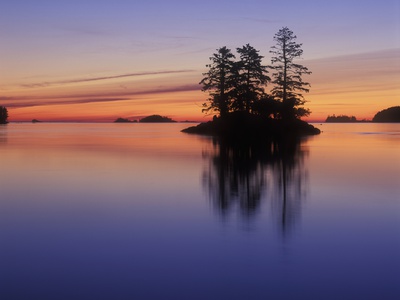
(334, 104)
(380, 58)
(351, 88)
(30, 103)
(6, 98)
(123, 95)
(363, 72)
(86, 30)
(80, 80)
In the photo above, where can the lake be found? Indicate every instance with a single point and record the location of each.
(143, 211)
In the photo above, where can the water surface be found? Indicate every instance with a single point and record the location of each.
(142, 211)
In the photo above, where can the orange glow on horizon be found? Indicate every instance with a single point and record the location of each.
(173, 105)
(354, 85)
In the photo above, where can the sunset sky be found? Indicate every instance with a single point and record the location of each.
(96, 60)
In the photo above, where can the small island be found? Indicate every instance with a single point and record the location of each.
(122, 120)
(148, 119)
(389, 115)
(246, 126)
(242, 109)
(341, 119)
(156, 119)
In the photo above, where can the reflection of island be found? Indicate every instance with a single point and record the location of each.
(245, 176)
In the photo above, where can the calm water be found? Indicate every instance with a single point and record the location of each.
(142, 211)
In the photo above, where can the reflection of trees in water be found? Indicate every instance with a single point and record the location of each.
(241, 176)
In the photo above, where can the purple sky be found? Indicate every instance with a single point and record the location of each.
(66, 44)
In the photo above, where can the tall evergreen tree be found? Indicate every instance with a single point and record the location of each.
(218, 81)
(288, 81)
(3, 115)
(250, 78)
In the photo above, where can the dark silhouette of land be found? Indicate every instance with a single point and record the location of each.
(344, 119)
(148, 119)
(36, 121)
(237, 93)
(244, 175)
(122, 120)
(389, 115)
(243, 125)
(156, 119)
(341, 119)
(3, 115)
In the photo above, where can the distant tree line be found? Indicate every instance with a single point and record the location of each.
(3, 115)
(340, 119)
(156, 119)
(123, 120)
(388, 115)
(148, 119)
(239, 85)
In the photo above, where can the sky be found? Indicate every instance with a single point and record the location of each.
(97, 60)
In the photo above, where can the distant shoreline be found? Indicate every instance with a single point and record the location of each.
(388, 115)
(177, 122)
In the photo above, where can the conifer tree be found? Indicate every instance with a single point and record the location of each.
(289, 84)
(218, 81)
(250, 78)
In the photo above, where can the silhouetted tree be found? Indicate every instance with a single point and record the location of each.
(218, 81)
(340, 119)
(250, 78)
(288, 75)
(3, 115)
(267, 106)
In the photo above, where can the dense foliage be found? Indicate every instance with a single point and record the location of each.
(340, 119)
(219, 81)
(239, 85)
(250, 77)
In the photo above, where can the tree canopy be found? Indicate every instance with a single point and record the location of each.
(250, 77)
(239, 85)
(287, 77)
(340, 119)
(218, 81)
